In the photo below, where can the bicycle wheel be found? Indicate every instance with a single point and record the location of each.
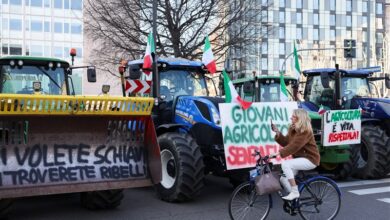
(246, 204)
(328, 204)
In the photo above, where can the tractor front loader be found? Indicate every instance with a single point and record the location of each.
(52, 143)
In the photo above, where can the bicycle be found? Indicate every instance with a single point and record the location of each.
(320, 197)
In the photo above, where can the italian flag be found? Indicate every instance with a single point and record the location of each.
(231, 95)
(148, 61)
(321, 110)
(208, 57)
(283, 89)
(297, 69)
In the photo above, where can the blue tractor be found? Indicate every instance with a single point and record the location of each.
(188, 127)
(335, 88)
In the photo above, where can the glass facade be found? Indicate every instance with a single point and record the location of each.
(312, 24)
(42, 28)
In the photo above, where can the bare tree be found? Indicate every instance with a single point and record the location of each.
(119, 28)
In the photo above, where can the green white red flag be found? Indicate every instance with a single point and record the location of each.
(297, 68)
(231, 95)
(321, 110)
(148, 60)
(283, 89)
(208, 57)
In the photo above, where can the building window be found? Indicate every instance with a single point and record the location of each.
(47, 26)
(332, 34)
(379, 8)
(264, 47)
(5, 24)
(4, 49)
(364, 6)
(349, 5)
(76, 4)
(66, 4)
(264, 63)
(36, 26)
(299, 18)
(315, 4)
(349, 21)
(281, 17)
(332, 4)
(281, 33)
(15, 49)
(379, 38)
(15, 2)
(66, 28)
(46, 3)
(299, 33)
(58, 52)
(282, 3)
(332, 20)
(15, 24)
(36, 50)
(4, 3)
(76, 29)
(315, 34)
(281, 49)
(299, 3)
(27, 2)
(315, 19)
(57, 27)
(58, 4)
(36, 3)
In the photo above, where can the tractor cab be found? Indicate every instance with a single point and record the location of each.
(38, 75)
(342, 89)
(264, 88)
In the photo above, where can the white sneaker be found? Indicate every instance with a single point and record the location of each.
(294, 194)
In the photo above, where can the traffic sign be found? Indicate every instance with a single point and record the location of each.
(138, 86)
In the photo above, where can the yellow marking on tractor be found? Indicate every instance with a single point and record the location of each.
(15, 104)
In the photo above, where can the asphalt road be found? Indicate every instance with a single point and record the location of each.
(361, 200)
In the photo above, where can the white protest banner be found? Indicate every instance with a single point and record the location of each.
(245, 131)
(341, 127)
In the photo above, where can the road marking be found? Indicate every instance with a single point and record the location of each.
(362, 183)
(385, 200)
(371, 191)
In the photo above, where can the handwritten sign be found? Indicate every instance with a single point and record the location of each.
(341, 127)
(245, 131)
(41, 164)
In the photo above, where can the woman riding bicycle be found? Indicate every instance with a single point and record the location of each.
(299, 143)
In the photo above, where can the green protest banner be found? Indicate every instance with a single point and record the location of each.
(245, 131)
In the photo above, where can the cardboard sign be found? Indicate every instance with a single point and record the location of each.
(245, 131)
(341, 127)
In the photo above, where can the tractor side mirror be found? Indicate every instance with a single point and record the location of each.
(91, 74)
(248, 88)
(135, 72)
(325, 80)
(387, 81)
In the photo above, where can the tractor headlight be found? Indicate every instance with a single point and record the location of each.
(216, 117)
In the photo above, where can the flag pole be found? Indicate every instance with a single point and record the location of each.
(156, 80)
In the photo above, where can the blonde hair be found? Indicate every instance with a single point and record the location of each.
(303, 121)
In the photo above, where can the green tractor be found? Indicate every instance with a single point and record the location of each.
(266, 88)
(54, 142)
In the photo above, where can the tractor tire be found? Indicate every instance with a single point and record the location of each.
(340, 171)
(107, 199)
(5, 207)
(182, 168)
(371, 153)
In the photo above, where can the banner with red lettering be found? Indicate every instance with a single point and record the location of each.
(341, 127)
(245, 131)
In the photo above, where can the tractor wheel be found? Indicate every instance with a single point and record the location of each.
(107, 199)
(5, 207)
(182, 168)
(371, 159)
(340, 171)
